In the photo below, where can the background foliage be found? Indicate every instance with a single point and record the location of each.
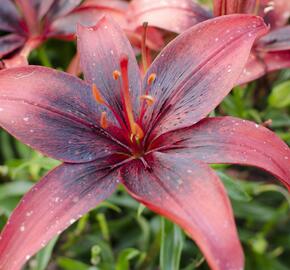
(121, 234)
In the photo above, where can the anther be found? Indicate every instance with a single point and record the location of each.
(104, 122)
(116, 74)
(151, 78)
(149, 99)
(97, 95)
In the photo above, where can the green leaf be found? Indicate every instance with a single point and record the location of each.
(17, 188)
(70, 264)
(172, 239)
(253, 211)
(140, 210)
(103, 226)
(280, 95)
(7, 205)
(235, 189)
(125, 256)
(43, 257)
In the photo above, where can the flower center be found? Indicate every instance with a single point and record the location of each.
(131, 126)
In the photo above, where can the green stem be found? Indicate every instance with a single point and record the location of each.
(43, 57)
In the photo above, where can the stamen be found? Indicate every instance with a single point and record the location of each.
(143, 47)
(116, 74)
(97, 94)
(104, 122)
(149, 99)
(151, 78)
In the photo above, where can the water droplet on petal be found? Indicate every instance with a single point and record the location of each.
(72, 221)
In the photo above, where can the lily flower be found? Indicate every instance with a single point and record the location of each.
(28, 23)
(151, 136)
(186, 13)
(270, 53)
(92, 10)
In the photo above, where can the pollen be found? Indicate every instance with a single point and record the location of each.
(151, 78)
(97, 95)
(104, 122)
(116, 74)
(149, 99)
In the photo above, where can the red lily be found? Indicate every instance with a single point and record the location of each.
(186, 13)
(271, 52)
(92, 10)
(31, 22)
(154, 138)
(275, 12)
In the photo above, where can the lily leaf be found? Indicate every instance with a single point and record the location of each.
(280, 95)
(172, 240)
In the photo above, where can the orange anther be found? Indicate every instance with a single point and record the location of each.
(97, 95)
(149, 99)
(151, 78)
(104, 123)
(116, 74)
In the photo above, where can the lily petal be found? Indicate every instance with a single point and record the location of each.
(55, 114)
(115, 8)
(261, 63)
(43, 7)
(87, 16)
(101, 48)
(191, 82)
(276, 40)
(61, 7)
(29, 13)
(190, 194)
(275, 12)
(232, 140)
(74, 66)
(186, 13)
(10, 43)
(53, 204)
(9, 16)
(114, 4)
(225, 7)
(17, 60)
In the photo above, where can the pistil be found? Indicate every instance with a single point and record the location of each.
(144, 48)
(136, 130)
